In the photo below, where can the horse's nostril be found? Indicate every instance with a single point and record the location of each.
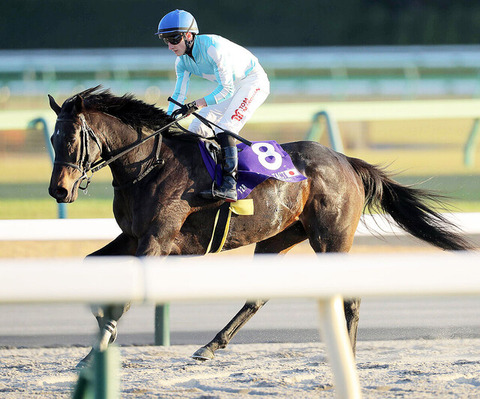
(59, 193)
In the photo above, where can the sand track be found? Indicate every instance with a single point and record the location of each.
(388, 369)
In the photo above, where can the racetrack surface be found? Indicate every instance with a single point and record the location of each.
(387, 369)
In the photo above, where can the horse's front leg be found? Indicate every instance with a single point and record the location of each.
(159, 243)
(222, 339)
(107, 316)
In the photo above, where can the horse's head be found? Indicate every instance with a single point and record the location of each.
(76, 148)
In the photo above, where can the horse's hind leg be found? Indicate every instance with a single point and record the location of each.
(351, 307)
(222, 339)
(327, 235)
(280, 244)
(108, 316)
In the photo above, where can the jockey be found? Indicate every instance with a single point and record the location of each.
(242, 87)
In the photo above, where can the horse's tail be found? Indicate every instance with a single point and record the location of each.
(408, 207)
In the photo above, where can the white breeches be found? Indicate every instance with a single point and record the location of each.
(233, 113)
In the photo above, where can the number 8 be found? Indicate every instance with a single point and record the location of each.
(263, 155)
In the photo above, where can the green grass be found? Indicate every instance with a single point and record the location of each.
(24, 178)
(31, 201)
(459, 189)
(48, 209)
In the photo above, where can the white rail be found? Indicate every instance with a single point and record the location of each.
(107, 229)
(326, 278)
(303, 112)
(160, 280)
(58, 229)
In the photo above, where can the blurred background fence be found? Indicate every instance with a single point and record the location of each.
(338, 73)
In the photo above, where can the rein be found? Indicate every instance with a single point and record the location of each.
(88, 169)
(209, 124)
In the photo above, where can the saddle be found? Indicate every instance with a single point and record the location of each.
(256, 163)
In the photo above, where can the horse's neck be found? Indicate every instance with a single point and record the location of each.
(176, 155)
(116, 137)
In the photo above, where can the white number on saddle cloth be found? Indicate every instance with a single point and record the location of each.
(265, 157)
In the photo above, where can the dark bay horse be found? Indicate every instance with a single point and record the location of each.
(157, 207)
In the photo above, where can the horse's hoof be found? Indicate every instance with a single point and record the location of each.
(203, 354)
(85, 362)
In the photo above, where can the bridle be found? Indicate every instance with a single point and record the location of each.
(84, 165)
(88, 168)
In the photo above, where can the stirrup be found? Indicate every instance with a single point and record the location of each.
(232, 197)
(217, 194)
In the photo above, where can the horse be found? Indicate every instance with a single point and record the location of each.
(157, 175)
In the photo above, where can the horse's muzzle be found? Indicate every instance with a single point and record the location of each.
(63, 185)
(59, 193)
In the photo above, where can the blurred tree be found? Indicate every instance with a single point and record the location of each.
(128, 23)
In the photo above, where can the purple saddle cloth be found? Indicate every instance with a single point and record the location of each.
(256, 164)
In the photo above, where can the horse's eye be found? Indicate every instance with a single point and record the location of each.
(71, 137)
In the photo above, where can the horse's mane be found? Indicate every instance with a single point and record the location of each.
(127, 108)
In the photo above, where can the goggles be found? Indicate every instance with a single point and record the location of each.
(173, 39)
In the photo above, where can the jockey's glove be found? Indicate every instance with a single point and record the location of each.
(185, 110)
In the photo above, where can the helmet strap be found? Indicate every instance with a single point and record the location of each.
(189, 44)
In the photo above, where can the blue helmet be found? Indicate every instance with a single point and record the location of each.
(177, 21)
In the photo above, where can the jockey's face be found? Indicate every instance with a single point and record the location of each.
(180, 48)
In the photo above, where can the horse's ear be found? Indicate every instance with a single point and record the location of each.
(53, 105)
(78, 104)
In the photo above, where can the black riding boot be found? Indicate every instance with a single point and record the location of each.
(228, 190)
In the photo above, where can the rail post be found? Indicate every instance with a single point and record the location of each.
(469, 149)
(106, 378)
(339, 350)
(62, 209)
(100, 380)
(162, 325)
(316, 131)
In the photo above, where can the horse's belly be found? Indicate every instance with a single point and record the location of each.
(275, 210)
